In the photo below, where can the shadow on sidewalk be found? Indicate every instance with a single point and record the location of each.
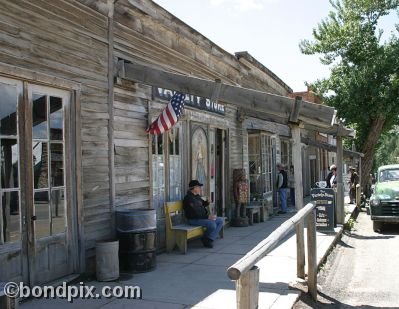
(325, 301)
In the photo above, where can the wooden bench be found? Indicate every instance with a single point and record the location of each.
(177, 229)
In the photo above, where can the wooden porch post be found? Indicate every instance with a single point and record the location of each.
(312, 254)
(297, 162)
(340, 185)
(247, 289)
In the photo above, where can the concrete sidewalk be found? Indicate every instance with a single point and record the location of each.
(199, 280)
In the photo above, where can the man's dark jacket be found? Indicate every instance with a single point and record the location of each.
(194, 206)
(328, 179)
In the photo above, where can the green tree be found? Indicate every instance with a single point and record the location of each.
(388, 149)
(364, 80)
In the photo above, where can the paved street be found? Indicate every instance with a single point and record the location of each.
(362, 272)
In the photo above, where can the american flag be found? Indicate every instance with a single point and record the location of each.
(169, 116)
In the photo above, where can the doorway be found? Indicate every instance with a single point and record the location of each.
(38, 241)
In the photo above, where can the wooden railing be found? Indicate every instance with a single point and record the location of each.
(246, 274)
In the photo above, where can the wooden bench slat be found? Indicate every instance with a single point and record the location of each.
(186, 227)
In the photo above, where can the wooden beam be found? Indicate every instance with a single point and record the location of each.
(317, 115)
(295, 109)
(216, 91)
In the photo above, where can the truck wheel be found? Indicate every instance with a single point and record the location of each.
(377, 226)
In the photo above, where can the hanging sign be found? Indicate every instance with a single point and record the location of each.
(191, 100)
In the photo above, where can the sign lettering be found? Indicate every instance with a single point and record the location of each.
(191, 100)
(325, 208)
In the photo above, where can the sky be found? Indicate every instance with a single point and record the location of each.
(270, 30)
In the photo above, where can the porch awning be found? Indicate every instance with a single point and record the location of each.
(331, 148)
(267, 106)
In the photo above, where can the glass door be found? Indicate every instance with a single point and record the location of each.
(13, 253)
(51, 216)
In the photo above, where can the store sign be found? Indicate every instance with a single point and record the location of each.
(325, 208)
(191, 100)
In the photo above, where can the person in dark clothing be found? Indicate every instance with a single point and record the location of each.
(331, 179)
(354, 180)
(197, 214)
(282, 188)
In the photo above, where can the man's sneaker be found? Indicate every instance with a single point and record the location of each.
(281, 212)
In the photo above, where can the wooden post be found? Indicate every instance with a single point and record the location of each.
(340, 186)
(297, 162)
(247, 289)
(312, 255)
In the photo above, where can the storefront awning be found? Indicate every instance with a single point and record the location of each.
(269, 106)
(331, 148)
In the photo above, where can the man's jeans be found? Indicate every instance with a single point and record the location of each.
(282, 192)
(213, 227)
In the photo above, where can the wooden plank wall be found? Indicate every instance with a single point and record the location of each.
(132, 179)
(68, 40)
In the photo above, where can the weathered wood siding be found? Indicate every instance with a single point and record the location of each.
(67, 39)
(132, 179)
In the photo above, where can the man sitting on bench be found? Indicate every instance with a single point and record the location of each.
(197, 214)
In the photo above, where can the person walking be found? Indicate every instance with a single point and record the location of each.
(282, 188)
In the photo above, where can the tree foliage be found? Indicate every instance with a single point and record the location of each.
(388, 150)
(364, 82)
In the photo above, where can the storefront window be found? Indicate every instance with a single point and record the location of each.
(267, 150)
(260, 165)
(175, 164)
(166, 168)
(158, 173)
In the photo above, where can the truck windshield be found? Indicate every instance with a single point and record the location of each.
(388, 175)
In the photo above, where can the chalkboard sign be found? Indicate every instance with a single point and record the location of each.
(325, 208)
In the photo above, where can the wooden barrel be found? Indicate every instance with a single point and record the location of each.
(137, 250)
(133, 220)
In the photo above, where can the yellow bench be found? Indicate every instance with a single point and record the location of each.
(177, 230)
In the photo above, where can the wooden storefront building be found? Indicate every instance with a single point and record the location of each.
(72, 131)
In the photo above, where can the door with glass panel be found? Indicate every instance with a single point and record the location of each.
(13, 244)
(50, 216)
(36, 218)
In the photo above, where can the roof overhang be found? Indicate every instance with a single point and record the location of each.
(329, 147)
(267, 106)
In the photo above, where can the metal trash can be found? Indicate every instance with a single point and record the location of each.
(107, 265)
(137, 233)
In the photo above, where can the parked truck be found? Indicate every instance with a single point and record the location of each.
(384, 201)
